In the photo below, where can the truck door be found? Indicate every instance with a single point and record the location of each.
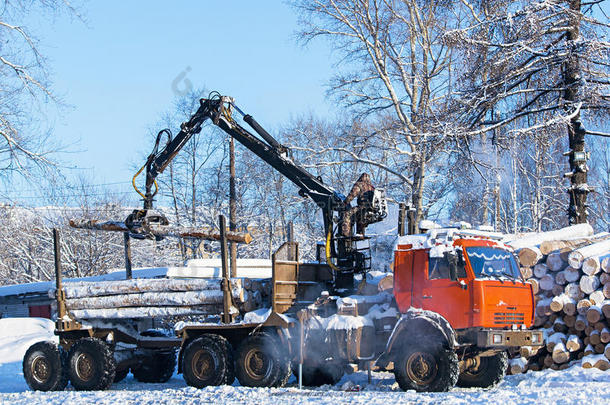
(403, 277)
(450, 298)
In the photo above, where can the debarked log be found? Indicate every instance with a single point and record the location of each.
(146, 312)
(199, 233)
(119, 287)
(144, 299)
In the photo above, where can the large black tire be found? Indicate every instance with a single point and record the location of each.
(315, 376)
(284, 374)
(205, 361)
(488, 372)
(230, 371)
(119, 375)
(158, 367)
(285, 364)
(44, 367)
(426, 368)
(91, 365)
(259, 361)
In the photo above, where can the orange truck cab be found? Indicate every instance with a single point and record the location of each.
(471, 280)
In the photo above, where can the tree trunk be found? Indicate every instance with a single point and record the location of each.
(418, 191)
(577, 212)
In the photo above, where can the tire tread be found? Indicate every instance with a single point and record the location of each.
(448, 369)
(57, 357)
(104, 358)
(493, 374)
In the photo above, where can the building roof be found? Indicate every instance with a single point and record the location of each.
(45, 286)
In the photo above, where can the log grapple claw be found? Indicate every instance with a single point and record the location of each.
(139, 223)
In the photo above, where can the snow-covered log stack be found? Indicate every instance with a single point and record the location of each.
(161, 297)
(570, 272)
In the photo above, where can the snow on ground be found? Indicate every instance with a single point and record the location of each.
(16, 336)
(572, 386)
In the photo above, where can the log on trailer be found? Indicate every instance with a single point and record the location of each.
(146, 312)
(247, 294)
(118, 287)
(155, 299)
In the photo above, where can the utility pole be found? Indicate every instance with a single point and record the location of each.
(232, 206)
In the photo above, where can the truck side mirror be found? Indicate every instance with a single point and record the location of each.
(452, 259)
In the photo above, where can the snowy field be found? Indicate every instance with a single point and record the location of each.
(573, 386)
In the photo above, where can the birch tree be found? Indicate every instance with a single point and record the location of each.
(25, 86)
(395, 71)
(541, 65)
(600, 178)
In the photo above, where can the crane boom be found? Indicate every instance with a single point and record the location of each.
(219, 110)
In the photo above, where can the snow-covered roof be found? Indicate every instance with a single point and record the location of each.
(45, 286)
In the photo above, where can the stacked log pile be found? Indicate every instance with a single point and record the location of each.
(570, 275)
(163, 297)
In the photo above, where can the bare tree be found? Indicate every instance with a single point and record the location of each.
(25, 87)
(539, 64)
(396, 70)
(600, 178)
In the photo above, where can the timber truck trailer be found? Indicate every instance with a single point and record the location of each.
(457, 306)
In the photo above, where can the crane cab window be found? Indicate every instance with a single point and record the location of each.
(438, 268)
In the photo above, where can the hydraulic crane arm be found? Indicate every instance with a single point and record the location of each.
(276, 156)
(219, 110)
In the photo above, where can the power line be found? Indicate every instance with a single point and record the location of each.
(71, 187)
(108, 193)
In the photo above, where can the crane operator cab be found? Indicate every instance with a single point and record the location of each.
(353, 253)
(371, 206)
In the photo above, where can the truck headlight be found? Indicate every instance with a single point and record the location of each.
(535, 338)
(496, 338)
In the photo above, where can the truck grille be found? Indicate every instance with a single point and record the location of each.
(510, 318)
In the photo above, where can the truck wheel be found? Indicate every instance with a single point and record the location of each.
(120, 375)
(488, 372)
(259, 361)
(284, 374)
(230, 371)
(426, 368)
(285, 368)
(44, 367)
(316, 376)
(156, 368)
(205, 361)
(91, 365)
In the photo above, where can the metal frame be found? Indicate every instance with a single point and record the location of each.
(285, 289)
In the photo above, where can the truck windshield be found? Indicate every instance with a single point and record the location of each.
(492, 262)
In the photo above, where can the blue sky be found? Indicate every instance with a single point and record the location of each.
(115, 71)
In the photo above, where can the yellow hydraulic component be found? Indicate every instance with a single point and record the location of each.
(133, 183)
(227, 113)
(328, 239)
